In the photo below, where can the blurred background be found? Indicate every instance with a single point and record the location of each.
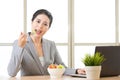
(78, 26)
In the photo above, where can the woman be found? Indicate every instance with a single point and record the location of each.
(32, 54)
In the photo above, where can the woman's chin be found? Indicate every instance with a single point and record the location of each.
(39, 36)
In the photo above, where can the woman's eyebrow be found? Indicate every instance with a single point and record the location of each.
(43, 21)
(38, 19)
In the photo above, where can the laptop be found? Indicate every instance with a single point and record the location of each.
(111, 66)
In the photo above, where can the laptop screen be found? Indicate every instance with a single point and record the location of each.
(111, 66)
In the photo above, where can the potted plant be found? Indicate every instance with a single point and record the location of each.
(93, 65)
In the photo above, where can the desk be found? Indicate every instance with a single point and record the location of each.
(48, 78)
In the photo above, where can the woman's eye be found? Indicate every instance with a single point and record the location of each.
(45, 24)
(38, 21)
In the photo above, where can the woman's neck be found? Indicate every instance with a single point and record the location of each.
(36, 39)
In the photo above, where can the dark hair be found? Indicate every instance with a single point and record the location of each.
(43, 11)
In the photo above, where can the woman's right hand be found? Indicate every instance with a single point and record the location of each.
(22, 39)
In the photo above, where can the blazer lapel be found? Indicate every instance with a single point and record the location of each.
(46, 50)
(35, 55)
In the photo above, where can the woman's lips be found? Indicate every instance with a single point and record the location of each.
(38, 32)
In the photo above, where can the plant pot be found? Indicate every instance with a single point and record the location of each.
(93, 72)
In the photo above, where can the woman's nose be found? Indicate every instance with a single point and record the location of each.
(40, 26)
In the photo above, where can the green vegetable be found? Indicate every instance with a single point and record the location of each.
(33, 31)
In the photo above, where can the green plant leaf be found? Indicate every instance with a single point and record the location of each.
(93, 60)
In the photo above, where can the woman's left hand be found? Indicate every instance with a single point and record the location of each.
(80, 71)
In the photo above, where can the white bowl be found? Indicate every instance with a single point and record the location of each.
(56, 73)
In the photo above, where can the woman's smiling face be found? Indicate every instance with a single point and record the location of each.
(40, 25)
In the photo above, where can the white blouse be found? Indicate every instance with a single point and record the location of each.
(42, 60)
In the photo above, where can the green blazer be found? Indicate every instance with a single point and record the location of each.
(27, 60)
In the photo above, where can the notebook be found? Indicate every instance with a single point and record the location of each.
(111, 66)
